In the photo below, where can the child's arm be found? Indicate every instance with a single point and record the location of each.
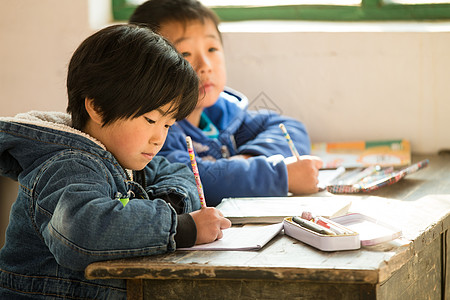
(252, 177)
(261, 127)
(256, 176)
(260, 134)
(170, 181)
(206, 224)
(302, 174)
(75, 211)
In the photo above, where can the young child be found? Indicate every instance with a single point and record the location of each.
(91, 187)
(240, 153)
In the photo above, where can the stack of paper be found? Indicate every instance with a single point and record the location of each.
(275, 209)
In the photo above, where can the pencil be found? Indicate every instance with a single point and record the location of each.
(195, 170)
(289, 140)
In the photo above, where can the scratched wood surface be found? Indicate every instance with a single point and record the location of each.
(253, 290)
(416, 264)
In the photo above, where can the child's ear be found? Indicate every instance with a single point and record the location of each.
(93, 112)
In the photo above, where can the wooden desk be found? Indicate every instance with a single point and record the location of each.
(414, 267)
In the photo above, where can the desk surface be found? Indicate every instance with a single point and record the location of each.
(419, 205)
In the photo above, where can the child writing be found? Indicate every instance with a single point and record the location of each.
(240, 153)
(91, 187)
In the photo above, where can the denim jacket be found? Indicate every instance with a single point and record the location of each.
(241, 131)
(68, 212)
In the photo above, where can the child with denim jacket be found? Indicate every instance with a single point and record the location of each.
(91, 187)
(240, 153)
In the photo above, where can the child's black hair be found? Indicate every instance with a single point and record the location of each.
(128, 71)
(153, 13)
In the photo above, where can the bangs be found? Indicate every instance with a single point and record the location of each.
(181, 91)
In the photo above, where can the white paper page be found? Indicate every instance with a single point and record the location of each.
(242, 238)
(326, 177)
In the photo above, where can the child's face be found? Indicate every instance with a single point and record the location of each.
(134, 142)
(200, 44)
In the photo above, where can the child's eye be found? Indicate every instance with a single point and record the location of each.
(212, 49)
(185, 54)
(150, 120)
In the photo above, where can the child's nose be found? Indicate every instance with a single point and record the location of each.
(203, 64)
(159, 136)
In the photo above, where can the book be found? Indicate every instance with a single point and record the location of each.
(275, 209)
(242, 238)
(363, 153)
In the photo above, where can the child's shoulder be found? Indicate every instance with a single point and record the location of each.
(230, 96)
(229, 103)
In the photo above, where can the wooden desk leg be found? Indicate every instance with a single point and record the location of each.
(135, 289)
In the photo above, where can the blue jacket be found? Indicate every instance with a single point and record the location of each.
(68, 214)
(240, 132)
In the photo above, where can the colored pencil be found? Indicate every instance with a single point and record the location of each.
(385, 180)
(195, 170)
(289, 140)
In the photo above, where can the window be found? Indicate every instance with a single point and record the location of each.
(324, 10)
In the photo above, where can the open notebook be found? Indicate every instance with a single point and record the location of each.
(327, 177)
(275, 209)
(242, 238)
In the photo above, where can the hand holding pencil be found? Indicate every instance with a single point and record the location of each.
(303, 170)
(208, 220)
(290, 142)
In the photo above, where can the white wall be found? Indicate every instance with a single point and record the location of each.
(344, 81)
(37, 39)
(349, 82)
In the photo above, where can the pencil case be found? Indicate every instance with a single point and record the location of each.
(361, 230)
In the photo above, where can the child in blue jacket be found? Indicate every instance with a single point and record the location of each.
(91, 187)
(239, 152)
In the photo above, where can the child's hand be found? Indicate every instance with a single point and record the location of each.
(303, 174)
(209, 222)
